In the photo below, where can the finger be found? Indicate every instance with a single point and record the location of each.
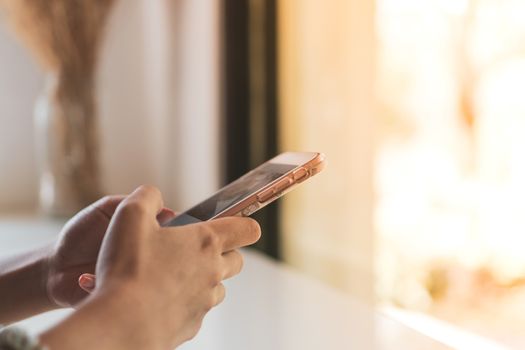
(236, 232)
(165, 216)
(233, 262)
(87, 282)
(145, 200)
(108, 205)
(220, 294)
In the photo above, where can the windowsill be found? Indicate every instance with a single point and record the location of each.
(269, 306)
(453, 336)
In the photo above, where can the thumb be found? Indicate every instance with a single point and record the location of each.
(108, 204)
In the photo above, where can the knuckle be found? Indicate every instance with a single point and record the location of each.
(105, 206)
(206, 304)
(149, 188)
(240, 261)
(132, 209)
(106, 200)
(222, 294)
(209, 239)
(194, 330)
(210, 303)
(215, 278)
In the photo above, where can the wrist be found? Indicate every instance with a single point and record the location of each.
(23, 285)
(37, 278)
(44, 266)
(111, 318)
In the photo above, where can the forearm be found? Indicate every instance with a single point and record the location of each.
(23, 286)
(114, 322)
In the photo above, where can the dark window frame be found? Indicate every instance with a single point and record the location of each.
(250, 98)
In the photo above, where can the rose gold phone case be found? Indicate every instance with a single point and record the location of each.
(276, 188)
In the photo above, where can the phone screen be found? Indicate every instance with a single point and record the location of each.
(233, 193)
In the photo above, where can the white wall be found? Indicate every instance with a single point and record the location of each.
(20, 84)
(196, 149)
(158, 103)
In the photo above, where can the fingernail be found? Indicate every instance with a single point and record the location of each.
(87, 281)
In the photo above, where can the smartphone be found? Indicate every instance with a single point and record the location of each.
(256, 189)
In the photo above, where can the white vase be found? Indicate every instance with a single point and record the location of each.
(66, 146)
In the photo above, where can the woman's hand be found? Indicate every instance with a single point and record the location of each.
(77, 248)
(154, 284)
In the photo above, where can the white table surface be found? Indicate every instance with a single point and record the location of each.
(269, 306)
